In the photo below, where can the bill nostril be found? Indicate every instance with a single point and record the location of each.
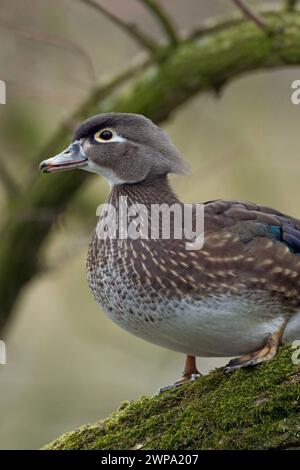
(43, 166)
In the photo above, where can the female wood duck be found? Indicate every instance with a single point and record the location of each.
(237, 296)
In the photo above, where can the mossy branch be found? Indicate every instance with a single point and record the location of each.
(254, 408)
(155, 90)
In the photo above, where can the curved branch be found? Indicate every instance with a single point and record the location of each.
(249, 13)
(213, 25)
(54, 41)
(131, 29)
(164, 20)
(193, 67)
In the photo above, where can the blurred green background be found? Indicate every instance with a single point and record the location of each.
(67, 364)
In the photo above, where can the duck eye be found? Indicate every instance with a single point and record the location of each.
(103, 135)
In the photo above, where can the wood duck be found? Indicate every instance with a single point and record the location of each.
(239, 295)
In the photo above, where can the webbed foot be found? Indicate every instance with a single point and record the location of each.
(178, 383)
(190, 374)
(265, 354)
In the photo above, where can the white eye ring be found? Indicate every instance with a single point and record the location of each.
(109, 136)
(104, 135)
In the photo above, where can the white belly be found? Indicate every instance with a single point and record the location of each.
(216, 327)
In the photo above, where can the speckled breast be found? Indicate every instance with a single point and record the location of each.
(136, 284)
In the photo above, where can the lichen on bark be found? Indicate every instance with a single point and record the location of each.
(253, 408)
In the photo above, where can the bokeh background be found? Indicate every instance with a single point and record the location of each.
(67, 364)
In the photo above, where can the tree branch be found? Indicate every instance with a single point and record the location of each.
(8, 182)
(227, 412)
(220, 23)
(249, 13)
(54, 41)
(163, 19)
(132, 30)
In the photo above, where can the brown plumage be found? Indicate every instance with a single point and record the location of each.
(237, 295)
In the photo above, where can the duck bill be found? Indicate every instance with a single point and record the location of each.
(72, 157)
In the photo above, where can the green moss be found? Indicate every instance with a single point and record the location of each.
(254, 408)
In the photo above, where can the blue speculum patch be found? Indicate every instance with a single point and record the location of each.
(287, 234)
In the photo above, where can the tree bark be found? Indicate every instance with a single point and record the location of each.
(254, 408)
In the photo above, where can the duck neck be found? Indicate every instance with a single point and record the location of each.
(156, 190)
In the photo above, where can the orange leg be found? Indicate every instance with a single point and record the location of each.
(190, 368)
(190, 373)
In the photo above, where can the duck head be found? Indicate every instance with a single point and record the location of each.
(124, 148)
